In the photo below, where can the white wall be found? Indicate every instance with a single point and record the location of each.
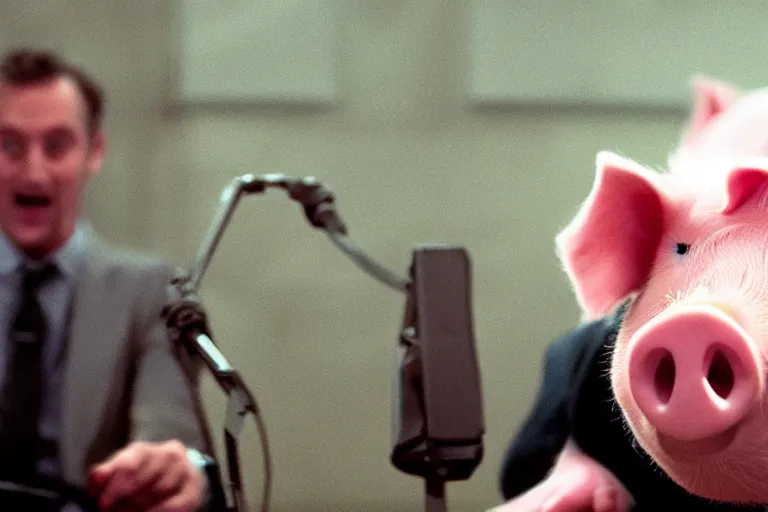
(410, 162)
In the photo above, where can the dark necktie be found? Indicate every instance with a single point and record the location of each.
(22, 390)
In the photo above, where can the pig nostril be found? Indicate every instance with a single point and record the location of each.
(720, 375)
(664, 379)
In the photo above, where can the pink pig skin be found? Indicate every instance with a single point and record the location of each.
(725, 120)
(711, 98)
(690, 246)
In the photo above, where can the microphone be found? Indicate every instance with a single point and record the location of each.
(438, 409)
(439, 406)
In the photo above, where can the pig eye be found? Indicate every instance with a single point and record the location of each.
(682, 248)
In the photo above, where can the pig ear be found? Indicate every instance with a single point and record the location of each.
(710, 98)
(609, 247)
(742, 183)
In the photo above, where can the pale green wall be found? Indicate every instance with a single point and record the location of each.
(410, 162)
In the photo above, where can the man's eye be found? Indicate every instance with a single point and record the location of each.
(57, 145)
(12, 146)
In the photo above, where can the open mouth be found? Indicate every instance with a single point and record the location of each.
(31, 200)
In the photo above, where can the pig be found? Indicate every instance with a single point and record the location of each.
(683, 249)
(688, 248)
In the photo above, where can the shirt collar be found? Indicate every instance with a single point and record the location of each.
(68, 258)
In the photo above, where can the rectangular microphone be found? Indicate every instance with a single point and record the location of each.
(440, 410)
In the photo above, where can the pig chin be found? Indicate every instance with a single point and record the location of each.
(690, 385)
(728, 467)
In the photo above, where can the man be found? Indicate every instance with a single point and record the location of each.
(91, 390)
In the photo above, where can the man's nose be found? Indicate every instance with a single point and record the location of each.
(35, 163)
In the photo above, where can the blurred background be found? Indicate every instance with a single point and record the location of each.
(463, 122)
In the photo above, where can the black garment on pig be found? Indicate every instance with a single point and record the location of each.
(575, 399)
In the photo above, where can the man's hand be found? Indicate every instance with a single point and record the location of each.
(148, 477)
(577, 483)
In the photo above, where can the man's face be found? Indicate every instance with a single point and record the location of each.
(46, 159)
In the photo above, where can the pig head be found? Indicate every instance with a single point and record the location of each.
(689, 248)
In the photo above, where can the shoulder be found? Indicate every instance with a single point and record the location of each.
(129, 262)
(139, 276)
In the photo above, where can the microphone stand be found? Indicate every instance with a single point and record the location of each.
(187, 323)
(188, 326)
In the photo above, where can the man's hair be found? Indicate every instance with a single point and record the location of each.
(30, 67)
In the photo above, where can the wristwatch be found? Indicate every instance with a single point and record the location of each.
(214, 499)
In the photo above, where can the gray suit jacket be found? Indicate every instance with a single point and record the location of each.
(123, 379)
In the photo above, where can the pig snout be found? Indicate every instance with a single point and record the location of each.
(694, 372)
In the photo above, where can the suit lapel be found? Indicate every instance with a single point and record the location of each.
(93, 345)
